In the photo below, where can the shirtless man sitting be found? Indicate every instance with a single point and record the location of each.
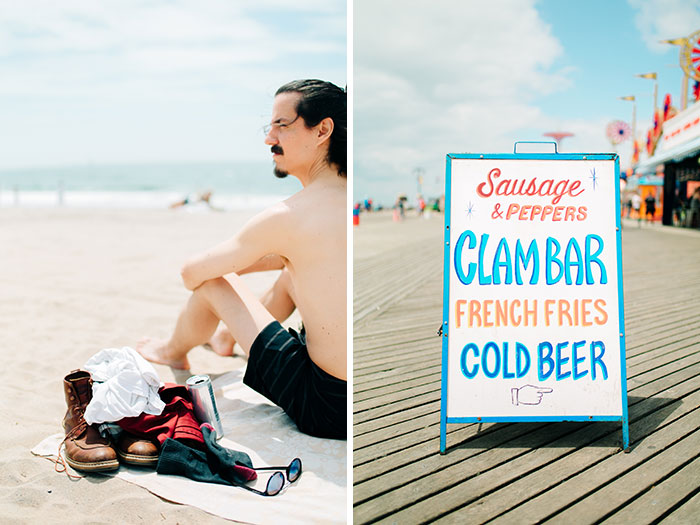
(305, 237)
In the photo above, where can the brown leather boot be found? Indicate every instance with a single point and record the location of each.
(137, 451)
(86, 449)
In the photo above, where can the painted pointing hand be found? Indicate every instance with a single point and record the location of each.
(529, 394)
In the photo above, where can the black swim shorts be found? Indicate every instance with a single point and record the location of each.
(279, 367)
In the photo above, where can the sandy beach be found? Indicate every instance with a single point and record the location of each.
(75, 281)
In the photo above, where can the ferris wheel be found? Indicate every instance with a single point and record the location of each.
(690, 56)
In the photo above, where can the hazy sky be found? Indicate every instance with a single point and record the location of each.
(193, 80)
(155, 80)
(444, 77)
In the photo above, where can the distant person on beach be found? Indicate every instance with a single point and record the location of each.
(304, 237)
(204, 197)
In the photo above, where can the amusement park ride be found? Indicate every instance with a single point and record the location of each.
(558, 136)
(689, 61)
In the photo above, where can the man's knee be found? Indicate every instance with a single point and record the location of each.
(213, 286)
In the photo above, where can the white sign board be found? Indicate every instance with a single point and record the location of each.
(532, 308)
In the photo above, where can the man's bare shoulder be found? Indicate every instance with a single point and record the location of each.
(276, 213)
(327, 195)
(266, 229)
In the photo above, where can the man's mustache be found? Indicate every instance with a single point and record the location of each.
(277, 149)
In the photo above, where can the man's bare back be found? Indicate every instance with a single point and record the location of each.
(317, 263)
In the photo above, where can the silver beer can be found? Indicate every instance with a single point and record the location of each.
(204, 402)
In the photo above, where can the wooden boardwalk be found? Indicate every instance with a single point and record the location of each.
(521, 472)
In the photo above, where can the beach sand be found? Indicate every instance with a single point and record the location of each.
(75, 281)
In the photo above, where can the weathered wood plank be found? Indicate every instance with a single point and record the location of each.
(523, 472)
(659, 377)
(399, 406)
(625, 488)
(671, 386)
(387, 422)
(687, 512)
(438, 480)
(661, 498)
(518, 501)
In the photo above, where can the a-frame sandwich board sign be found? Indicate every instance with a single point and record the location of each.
(533, 317)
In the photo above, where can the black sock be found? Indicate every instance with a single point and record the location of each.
(216, 465)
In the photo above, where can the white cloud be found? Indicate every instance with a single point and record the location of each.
(439, 77)
(155, 80)
(150, 38)
(665, 19)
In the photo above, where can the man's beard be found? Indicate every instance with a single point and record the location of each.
(280, 174)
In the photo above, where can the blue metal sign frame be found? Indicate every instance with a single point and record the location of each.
(444, 420)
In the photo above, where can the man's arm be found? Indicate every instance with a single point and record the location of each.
(265, 264)
(265, 234)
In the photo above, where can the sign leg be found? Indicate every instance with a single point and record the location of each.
(443, 436)
(625, 434)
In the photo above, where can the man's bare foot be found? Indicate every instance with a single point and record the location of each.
(222, 342)
(157, 351)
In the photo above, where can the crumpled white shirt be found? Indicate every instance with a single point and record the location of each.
(124, 385)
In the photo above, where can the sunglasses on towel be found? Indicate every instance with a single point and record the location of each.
(276, 482)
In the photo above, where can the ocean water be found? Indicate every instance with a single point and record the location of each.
(234, 186)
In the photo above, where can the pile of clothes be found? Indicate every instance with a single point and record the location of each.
(119, 411)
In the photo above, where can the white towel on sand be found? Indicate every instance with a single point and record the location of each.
(263, 431)
(124, 385)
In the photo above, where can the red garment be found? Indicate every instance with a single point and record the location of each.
(177, 420)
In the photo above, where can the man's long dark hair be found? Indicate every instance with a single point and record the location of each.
(319, 100)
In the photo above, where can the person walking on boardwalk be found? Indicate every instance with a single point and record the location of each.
(650, 207)
(693, 220)
(636, 206)
(304, 237)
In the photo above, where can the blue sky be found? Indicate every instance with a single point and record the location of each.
(473, 76)
(133, 81)
(193, 80)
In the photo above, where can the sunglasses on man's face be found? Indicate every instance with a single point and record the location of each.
(276, 482)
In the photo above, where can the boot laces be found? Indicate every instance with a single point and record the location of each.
(60, 463)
